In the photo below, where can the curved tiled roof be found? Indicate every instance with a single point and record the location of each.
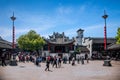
(59, 42)
(5, 44)
(114, 47)
(59, 39)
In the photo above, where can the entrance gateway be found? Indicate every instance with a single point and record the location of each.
(58, 45)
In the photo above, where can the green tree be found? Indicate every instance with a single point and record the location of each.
(31, 41)
(118, 36)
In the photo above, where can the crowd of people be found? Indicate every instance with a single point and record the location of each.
(56, 61)
(53, 61)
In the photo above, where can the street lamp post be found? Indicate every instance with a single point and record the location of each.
(106, 62)
(105, 31)
(13, 32)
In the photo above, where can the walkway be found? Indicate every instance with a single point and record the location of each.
(92, 71)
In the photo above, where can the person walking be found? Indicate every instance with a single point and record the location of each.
(55, 62)
(3, 59)
(78, 59)
(82, 60)
(27, 58)
(51, 60)
(86, 56)
(59, 62)
(63, 60)
(23, 58)
(87, 60)
(47, 65)
(69, 59)
(37, 61)
(73, 61)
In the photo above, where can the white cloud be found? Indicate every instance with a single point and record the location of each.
(5, 32)
(66, 16)
(94, 30)
(71, 32)
(90, 31)
(98, 30)
(30, 22)
(64, 10)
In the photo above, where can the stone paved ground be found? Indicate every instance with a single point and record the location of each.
(92, 71)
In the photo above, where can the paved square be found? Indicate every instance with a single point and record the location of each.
(94, 70)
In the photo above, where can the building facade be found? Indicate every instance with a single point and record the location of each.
(58, 45)
(5, 48)
(79, 37)
(96, 45)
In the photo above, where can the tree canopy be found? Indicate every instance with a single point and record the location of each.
(118, 36)
(31, 41)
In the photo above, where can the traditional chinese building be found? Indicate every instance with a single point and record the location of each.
(58, 45)
(114, 51)
(5, 47)
(96, 44)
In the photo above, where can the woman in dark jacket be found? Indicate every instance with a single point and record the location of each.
(47, 65)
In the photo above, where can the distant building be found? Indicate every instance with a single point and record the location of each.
(96, 45)
(79, 37)
(58, 45)
(114, 50)
(5, 46)
(78, 44)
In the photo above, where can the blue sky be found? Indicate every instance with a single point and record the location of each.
(48, 16)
